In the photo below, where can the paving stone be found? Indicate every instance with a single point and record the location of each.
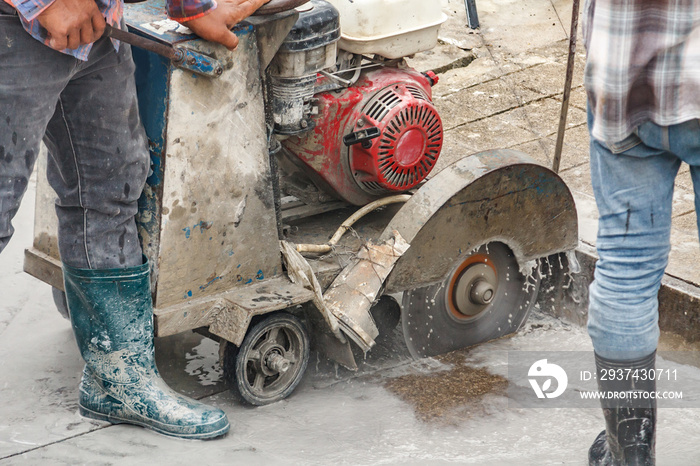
(683, 200)
(686, 222)
(532, 23)
(684, 256)
(454, 111)
(578, 178)
(542, 117)
(482, 69)
(683, 178)
(542, 150)
(444, 55)
(491, 97)
(455, 146)
(492, 133)
(456, 29)
(579, 138)
(546, 78)
(578, 98)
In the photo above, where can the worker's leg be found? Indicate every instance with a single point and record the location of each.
(633, 185)
(98, 166)
(634, 192)
(32, 77)
(98, 162)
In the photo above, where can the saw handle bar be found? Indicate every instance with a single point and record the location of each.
(181, 57)
(187, 59)
(278, 6)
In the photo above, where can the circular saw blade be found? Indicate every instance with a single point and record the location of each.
(431, 328)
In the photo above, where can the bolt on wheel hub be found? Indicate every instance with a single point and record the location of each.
(277, 363)
(473, 287)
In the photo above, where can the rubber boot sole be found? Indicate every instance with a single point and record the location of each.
(90, 414)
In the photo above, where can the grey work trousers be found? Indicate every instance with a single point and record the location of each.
(87, 115)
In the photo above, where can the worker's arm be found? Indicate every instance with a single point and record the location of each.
(213, 20)
(70, 23)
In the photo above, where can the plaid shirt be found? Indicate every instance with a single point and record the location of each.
(643, 63)
(112, 10)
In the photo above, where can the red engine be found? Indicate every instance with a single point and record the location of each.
(382, 135)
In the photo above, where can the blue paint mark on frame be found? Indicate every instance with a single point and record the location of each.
(204, 287)
(201, 225)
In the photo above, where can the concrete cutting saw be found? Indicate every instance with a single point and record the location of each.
(294, 195)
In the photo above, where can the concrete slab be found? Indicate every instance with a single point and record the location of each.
(578, 178)
(577, 98)
(542, 117)
(684, 256)
(685, 222)
(519, 25)
(546, 78)
(339, 418)
(579, 139)
(455, 146)
(11, 262)
(542, 150)
(481, 69)
(490, 98)
(454, 112)
(491, 133)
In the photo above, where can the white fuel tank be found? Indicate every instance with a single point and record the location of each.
(390, 28)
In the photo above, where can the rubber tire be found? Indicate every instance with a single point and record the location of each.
(234, 369)
(425, 309)
(59, 299)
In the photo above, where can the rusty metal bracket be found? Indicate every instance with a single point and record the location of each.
(567, 88)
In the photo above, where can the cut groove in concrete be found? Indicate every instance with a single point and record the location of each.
(459, 63)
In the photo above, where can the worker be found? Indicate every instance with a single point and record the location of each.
(60, 80)
(642, 79)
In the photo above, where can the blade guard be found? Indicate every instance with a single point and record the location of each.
(498, 195)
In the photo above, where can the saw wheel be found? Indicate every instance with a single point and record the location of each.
(482, 298)
(270, 362)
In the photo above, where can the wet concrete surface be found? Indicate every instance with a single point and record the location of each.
(374, 416)
(334, 417)
(502, 92)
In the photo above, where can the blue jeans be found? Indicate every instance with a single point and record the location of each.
(87, 114)
(633, 185)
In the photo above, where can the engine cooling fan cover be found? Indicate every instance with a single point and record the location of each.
(409, 142)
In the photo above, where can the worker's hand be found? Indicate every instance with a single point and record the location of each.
(217, 23)
(72, 23)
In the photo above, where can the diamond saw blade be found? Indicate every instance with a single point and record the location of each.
(482, 298)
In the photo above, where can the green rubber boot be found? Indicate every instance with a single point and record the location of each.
(112, 316)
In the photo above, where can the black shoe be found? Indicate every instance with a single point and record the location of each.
(629, 438)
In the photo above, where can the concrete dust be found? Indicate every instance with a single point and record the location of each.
(436, 396)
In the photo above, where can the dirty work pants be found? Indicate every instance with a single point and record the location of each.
(87, 114)
(633, 185)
